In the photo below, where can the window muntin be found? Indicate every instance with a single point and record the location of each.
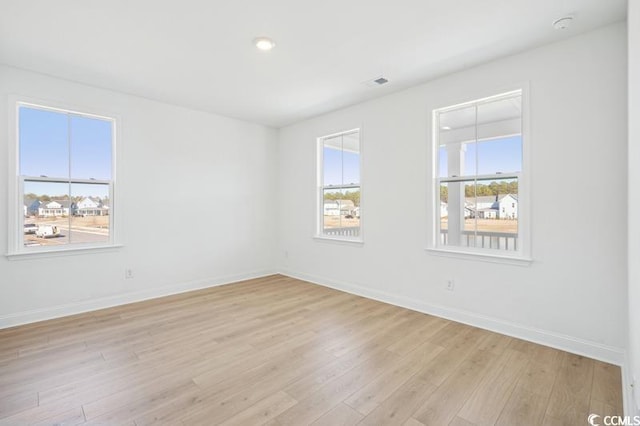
(65, 179)
(479, 165)
(339, 186)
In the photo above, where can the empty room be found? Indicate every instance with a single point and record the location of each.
(320, 213)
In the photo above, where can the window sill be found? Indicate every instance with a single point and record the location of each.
(330, 240)
(24, 255)
(481, 257)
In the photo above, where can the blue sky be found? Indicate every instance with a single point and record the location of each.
(49, 139)
(497, 155)
(340, 167)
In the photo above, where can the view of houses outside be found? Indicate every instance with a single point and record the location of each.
(495, 212)
(490, 213)
(479, 159)
(66, 169)
(340, 207)
(57, 220)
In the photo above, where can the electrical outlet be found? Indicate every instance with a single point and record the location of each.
(128, 274)
(450, 285)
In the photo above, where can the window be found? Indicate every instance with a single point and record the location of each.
(64, 180)
(480, 188)
(339, 186)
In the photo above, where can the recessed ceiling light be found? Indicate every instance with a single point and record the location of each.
(563, 23)
(264, 43)
(446, 128)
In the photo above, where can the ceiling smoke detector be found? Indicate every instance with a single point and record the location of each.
(563, 23)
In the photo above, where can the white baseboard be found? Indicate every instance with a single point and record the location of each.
(563, 342)
(27, 317)
(567, 343)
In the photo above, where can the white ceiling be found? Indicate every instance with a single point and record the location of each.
(199, 53)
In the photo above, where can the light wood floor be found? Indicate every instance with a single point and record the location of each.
(284, 352)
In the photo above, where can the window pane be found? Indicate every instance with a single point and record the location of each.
(500, 155)
(90, 220)
(444, 212)
(469, 164)
(470, 215)
(43, 138)
(500, 136)
(483, 139)
(496, 209)
(458, 159)
(456, 216)
(90, 148)
(443, 170)
(457, 138)
(341, 212)
(341, 160)
(500, 118)
(458, 124)
(486, 217)
(47, 213)
(340, 209)
(351, 159)
(332, 161)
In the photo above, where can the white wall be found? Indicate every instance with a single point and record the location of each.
(201, 170)
(634, 199)
(574, 294)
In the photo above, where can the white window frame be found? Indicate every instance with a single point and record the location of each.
(522, 255)
(16, 248)
(319, 234)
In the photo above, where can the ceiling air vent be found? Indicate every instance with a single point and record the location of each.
(375, 82)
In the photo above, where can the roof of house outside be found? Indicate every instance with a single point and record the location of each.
(488, 198)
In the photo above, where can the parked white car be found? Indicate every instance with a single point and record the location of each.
(47, 231)
(30, 228)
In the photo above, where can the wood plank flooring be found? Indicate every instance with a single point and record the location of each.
(280, 351)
